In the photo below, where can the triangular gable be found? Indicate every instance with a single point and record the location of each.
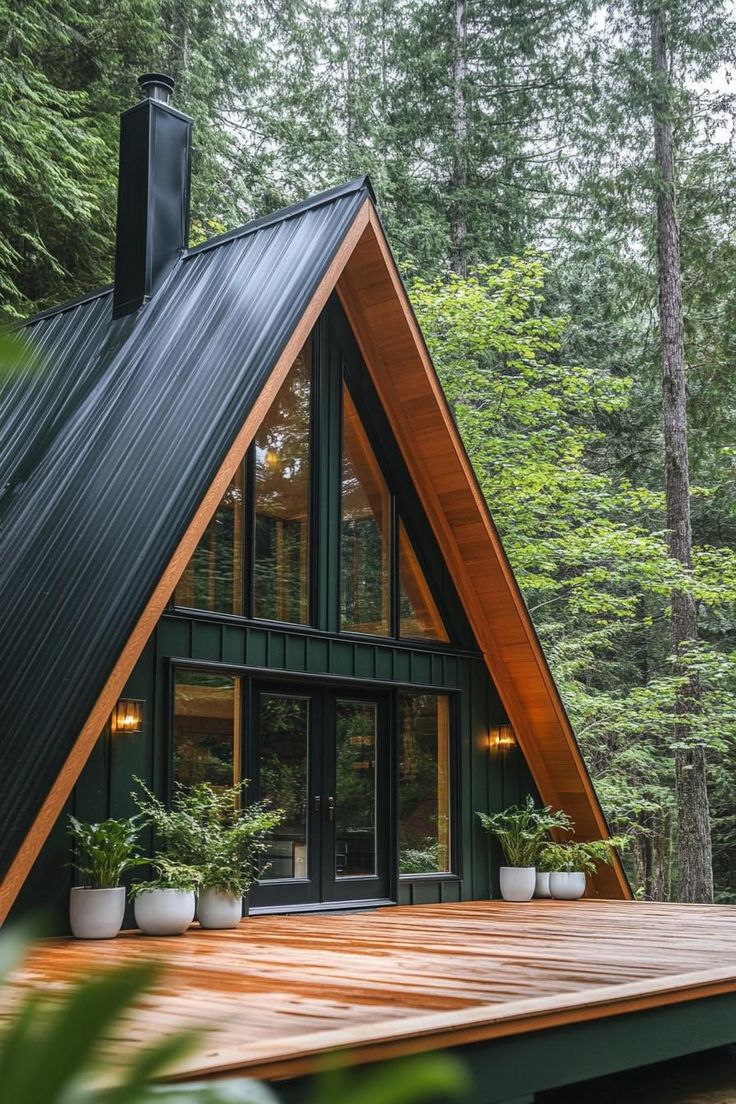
(397, 358)
(352, 255)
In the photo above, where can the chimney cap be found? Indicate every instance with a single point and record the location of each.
(157, 86)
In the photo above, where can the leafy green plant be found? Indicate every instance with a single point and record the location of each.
(586, 857)
(420, 860)
(170, 874)
(406, 1081)
(208, 830)
(522, 830)
(105, 851)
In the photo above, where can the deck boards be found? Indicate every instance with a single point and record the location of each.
(279, 991)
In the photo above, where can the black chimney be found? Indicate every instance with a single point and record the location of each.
(153, 193)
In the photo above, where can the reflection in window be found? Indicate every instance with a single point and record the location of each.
(206, 744)
(281, 462)
(355, 793)
(212, 579)
(424, 784)
(365, 532)
(418, 614)
(283, 734)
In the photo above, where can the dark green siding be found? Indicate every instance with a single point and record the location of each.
(484, 781)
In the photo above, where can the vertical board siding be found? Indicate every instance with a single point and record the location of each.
(103, 790)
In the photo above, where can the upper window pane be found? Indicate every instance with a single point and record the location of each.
(212, 579)
(282, 463)
(424, 784)
(418, 614)
(206, 747)
(365, 532)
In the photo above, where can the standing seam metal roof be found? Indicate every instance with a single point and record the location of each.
(105, 455)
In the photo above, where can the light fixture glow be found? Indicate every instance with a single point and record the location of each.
(501, 738)
(272, 460)
(127, 716)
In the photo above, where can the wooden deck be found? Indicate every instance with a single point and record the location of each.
(279, 991)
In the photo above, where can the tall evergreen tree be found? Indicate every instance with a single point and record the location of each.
(694, 853)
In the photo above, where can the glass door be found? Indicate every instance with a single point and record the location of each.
(323, 758)
(357, 777)
(285, 771)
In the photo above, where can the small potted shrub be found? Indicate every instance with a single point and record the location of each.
(570, 863)
(521, 831)
(208, 830)
(165, 904)
(105, 851)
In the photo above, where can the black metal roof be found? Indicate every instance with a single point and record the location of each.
(105, 455)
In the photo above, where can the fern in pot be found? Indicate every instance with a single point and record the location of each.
(165, 904)
(209, 830)
(522, 830)
(104, 852)
(569, 864)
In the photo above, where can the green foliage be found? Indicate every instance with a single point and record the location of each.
(587, 857)
(209, 836)
(420, 860)
(522, 830)
(105, 851)
(169, 874)
(408, 1081)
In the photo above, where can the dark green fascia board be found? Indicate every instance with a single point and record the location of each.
(514, 1068)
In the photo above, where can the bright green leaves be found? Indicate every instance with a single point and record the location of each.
(588, 545)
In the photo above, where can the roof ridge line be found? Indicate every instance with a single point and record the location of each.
(359, 183)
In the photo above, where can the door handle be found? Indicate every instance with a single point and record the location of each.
(330, 808)
(317, 803)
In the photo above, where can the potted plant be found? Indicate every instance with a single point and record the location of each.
(209, 830)
(568, 864)
(104, 852)
(521, 831)
(165, 904)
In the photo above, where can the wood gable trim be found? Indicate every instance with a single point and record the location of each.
(86, 739)
(396, 356)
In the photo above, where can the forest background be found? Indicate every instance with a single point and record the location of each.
(511, 145)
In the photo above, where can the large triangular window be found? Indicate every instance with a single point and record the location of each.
(419, 617)
(365, 552)
(383, 589)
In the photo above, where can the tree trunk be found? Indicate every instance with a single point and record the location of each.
(459, 182)
(694, 855)
(350, 89)
(659, 857)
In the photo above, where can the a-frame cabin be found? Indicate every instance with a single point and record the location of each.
(236, 496)
(240, 537)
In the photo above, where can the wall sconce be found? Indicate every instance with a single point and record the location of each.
(127, 716)
(501, 738)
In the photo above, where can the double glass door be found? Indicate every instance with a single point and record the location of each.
(322, 757)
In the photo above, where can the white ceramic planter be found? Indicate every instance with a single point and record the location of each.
(164, 911)
(518, 882)
(96, 913)
(542, 889)
(216, 909)
(567, 885)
